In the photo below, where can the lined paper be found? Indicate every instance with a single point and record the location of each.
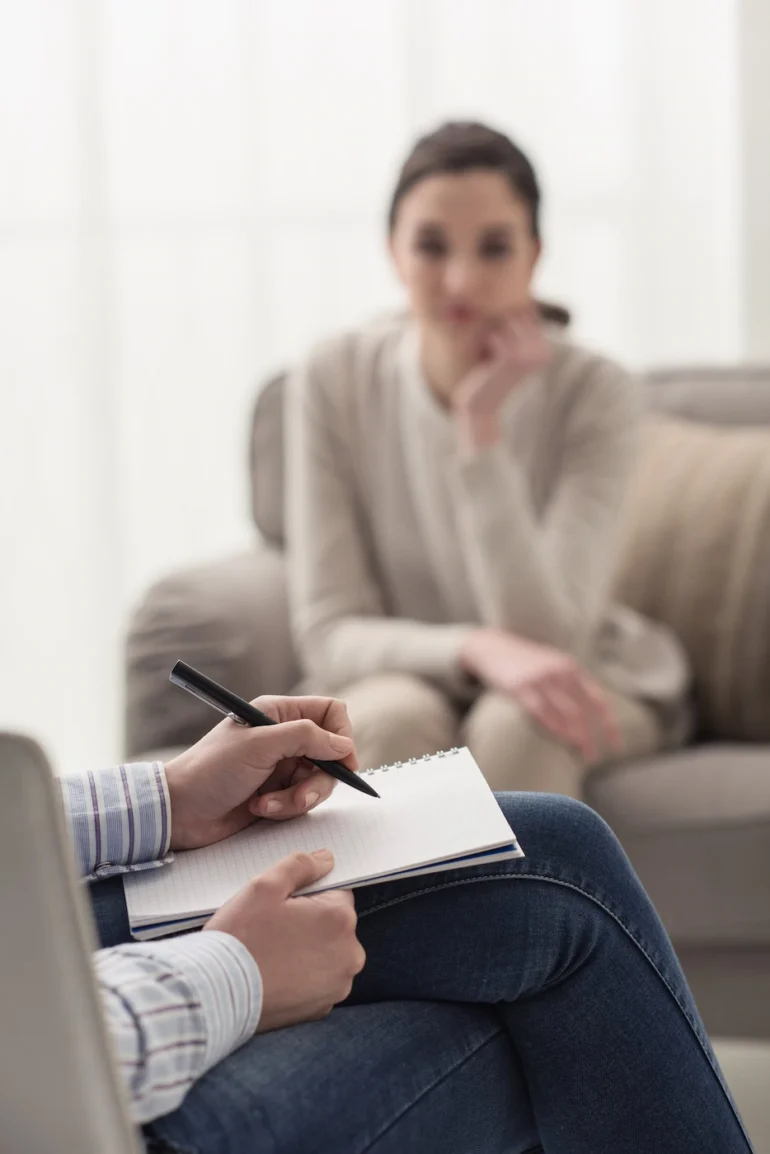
(429, 811)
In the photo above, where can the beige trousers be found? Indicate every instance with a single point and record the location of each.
(396, 716)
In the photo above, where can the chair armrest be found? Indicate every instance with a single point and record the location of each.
(230, 620)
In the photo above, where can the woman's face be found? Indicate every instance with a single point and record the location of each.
(464, 250)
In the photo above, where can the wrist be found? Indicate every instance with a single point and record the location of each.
(175, 772)
(476, 431)
(470, 652)
(224, 979)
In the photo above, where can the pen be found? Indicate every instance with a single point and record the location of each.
(245, 713)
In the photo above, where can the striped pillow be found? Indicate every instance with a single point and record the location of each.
(696, 556)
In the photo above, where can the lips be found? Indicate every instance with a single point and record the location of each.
(460, 314)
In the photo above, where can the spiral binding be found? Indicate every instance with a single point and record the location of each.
(410, 761)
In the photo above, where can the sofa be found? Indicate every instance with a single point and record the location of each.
(695, 554)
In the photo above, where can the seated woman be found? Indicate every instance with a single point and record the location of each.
(455, 481)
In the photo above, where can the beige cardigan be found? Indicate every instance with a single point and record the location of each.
(398, 546)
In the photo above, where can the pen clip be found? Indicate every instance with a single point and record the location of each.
(209, 692)
(204, 697)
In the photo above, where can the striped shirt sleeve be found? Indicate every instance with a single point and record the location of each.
(174, 1009)
(119, 818)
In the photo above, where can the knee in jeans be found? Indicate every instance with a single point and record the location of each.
(568, 826)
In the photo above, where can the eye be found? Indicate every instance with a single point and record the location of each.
(430, 244)
(495, 248)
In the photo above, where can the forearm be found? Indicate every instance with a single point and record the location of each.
(541, 555)
(514, 579)
(343, 650)
(174, 1009)
(545, 572)
(119, 818)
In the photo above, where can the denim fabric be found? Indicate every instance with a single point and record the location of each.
(534, 1005)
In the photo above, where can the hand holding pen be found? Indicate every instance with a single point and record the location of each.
(264, 774)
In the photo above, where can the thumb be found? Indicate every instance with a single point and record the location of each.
(298, 870)
(303, 738)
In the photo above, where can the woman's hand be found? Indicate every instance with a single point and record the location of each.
(551, 686)
(236, 773)
(513, 351)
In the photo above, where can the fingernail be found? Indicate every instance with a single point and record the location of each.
(311, 798)
(339, 743)
(325, 854)
(273, 805)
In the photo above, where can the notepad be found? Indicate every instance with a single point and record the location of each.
(434, 813)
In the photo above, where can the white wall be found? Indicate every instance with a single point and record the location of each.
(754, 74)
(191, 191)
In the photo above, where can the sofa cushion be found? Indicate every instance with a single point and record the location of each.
(695, 555)
(696, 825)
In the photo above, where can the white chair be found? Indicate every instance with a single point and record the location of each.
(59, 1086)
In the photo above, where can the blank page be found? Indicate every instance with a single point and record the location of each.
(429, 810)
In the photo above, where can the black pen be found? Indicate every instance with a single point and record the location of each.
(246, 714)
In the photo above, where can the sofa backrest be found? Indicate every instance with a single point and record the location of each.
(266, 460)
(716, 395)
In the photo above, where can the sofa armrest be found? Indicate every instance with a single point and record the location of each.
(230, 620)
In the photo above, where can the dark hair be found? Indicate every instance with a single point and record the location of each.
(461, 146)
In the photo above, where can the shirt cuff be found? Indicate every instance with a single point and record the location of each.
(175, 1009)
(119, 818)
(226, 981)
(437, 655)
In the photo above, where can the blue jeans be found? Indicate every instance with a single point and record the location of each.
(533, 1005)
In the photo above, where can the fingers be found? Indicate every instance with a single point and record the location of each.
(335, 717)
(499, 346)
(327, 713)
(337, 897)
(304, 738)
(557, 716)
(281, 804)
(578, 721)
(523, 340)
(336, 721)
(574, 709)
(298, 870)
(602, 710)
